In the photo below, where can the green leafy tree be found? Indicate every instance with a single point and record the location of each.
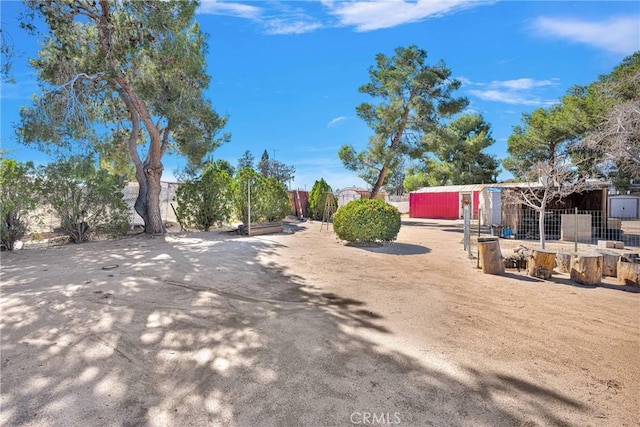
(7, 55)
(610, 107)
(545, 135)
(318, 198)
(89, 201)
(18, 198)
(367, 221)
(246, 161)
(415, 179)
(458, 151)
(123, 77)
(205, 201)
(540, 152)
(394, 184)
(413, 98)
(273, 200)
(245, 186)
(263, 165)
(269, 198)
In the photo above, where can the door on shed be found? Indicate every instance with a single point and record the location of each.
(623, 207)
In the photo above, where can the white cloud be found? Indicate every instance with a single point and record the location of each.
(283, 26)
(524, 91)
(521, 84)
(335, 121)
(618, 35)
(507, 97)
(377, 14)
(277, 19)
(214, 7)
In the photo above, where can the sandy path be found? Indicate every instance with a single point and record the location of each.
(296, 329)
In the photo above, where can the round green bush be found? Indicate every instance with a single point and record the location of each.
(367, 221)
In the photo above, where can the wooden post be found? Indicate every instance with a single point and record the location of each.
(628, 273)
(490, 256)
(609, 262)
(541, 263)
(587, 269)
(563, 262)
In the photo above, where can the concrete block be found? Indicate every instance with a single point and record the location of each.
(606, 244)
(618, 245)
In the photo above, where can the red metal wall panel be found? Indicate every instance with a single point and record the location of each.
(434, 205)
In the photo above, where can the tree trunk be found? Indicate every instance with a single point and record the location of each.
(587, 269)
(563, 262)
(541, 263)
(490, 256)
(148, 202)
(541, 223)
(609, 262)
(628, 273)
(376, 188)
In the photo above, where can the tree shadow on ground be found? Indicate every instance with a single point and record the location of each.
(200, 330)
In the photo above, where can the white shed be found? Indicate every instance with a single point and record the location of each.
(624, 206)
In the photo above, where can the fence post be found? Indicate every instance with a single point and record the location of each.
(479, 216)
(575, 233)
(249, 207)
(467, 229)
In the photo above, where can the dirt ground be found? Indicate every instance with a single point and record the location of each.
(296, 328)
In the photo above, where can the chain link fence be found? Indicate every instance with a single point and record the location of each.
(565, 230)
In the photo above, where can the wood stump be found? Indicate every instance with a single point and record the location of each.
(628, 273)
(541, 263)
(490, 256)
(587, 269)
(609, 262)
(563, 262)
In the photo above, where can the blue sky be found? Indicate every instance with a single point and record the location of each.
(287, 72)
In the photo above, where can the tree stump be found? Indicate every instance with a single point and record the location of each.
(490, 257)
(563, 262)
(587, 269)
(628, 273)
(609, 262)
(541, 263)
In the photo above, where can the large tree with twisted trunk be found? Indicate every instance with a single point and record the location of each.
(412, 98)
(124, 79)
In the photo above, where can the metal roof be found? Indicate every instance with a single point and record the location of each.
(594, 184)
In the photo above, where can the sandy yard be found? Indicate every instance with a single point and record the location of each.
(208, 329)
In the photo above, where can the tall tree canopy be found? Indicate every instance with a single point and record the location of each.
(544, 136)
(413, 98)
(458, 153)
(272, 168)
(611, 109)
(124, 76)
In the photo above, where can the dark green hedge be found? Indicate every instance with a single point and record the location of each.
(367, 221)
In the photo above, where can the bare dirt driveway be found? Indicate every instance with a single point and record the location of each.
(207, 329)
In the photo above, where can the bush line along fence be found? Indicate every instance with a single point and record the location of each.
(43, 220)
(566, 230)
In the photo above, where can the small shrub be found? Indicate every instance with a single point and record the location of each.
(88, 200)
(204, 202)
(273, 201)
(318, 199)
(367, 221)
(240, 197)
(269, 198)
(18, 198)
